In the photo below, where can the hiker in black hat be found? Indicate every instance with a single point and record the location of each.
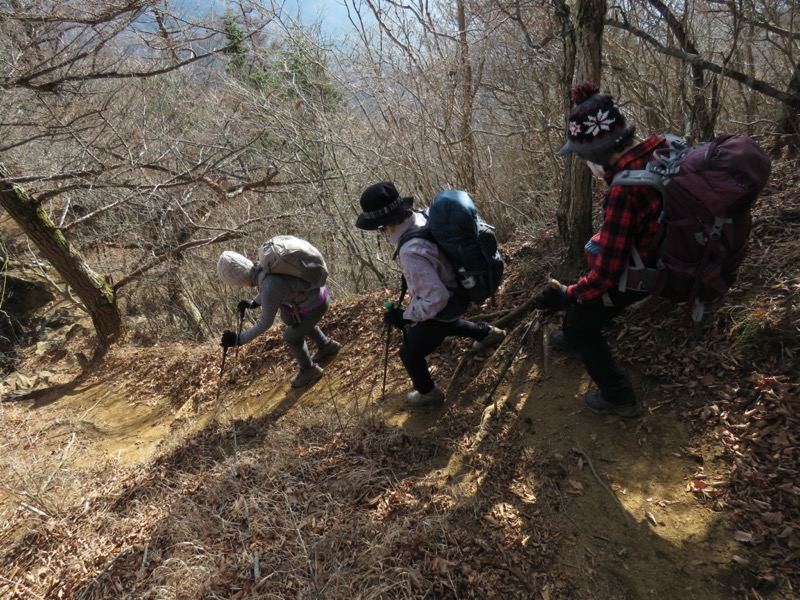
(599, 134)
(434, 309)
(299, 307)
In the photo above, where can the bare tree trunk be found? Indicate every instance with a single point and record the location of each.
(789, 119)
(467, 141)
(96, 294)
(181, 301)
(701, 121)
(583, 56)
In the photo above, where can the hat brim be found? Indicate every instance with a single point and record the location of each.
(364, 222)
(566, 149)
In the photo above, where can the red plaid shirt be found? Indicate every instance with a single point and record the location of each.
(630, 219)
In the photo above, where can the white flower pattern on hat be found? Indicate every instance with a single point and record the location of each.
(599, 122)
(595, 124)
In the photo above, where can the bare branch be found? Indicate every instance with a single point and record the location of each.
(757, 85)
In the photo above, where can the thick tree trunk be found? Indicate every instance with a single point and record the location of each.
(584, 44)
(96, 294)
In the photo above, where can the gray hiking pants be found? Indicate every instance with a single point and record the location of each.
(295, 334)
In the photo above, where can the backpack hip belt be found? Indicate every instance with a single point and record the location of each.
(297, 312)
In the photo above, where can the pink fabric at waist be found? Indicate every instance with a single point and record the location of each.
(287, 310)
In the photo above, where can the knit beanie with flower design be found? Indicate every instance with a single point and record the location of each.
(595, 124)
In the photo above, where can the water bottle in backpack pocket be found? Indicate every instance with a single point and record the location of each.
(467, 281)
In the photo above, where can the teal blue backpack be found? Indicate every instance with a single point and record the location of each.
(468, 242)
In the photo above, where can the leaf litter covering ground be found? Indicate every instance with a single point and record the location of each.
(153, 477)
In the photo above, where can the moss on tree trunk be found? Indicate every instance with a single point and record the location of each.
(95, 293)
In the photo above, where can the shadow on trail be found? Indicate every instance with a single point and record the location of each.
(45, 396)
(539, 491)
(603, 496)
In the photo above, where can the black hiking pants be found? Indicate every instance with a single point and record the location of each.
(426, 336)
(583, 325)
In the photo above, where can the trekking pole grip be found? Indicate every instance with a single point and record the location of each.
(388, 305)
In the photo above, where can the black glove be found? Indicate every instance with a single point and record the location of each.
(552, 299)
(245, 304)
(229, 338)
(394, 317)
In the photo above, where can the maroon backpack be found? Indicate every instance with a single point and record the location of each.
(708, 191)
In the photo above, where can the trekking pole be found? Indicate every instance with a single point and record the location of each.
(536, 318)
(389, 305)
(386, 355)
(219, 381)
(236, 351)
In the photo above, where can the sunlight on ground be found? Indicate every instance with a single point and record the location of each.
(624, 480)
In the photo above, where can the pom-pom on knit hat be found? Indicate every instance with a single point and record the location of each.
(595, 124)
(234, 269)
(381, 203)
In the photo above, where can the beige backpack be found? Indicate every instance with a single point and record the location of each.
(289, 255)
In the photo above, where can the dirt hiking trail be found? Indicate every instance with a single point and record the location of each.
(142, 472)
(556, 502)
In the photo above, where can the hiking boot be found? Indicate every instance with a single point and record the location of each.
(596, 403)
(494, 337)
(328, 350)
(306, 376)
(435, 396)
(559, 341)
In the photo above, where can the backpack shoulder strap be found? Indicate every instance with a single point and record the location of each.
(639, 177)
(676, 141)
(418, 232)
(658, 171)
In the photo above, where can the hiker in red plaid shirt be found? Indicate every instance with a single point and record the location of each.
(599, 133)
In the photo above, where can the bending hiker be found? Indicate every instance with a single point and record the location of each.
(434, 308)
(599, 134)
(300, 309)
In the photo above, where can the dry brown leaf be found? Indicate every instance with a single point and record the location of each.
(576, 486)
(743, 536)
(741, 561)
(652, 519)
(708, 379)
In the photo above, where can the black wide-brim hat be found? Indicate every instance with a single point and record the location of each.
(381, 203)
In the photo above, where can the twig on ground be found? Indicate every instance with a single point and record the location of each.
(95, 579)
(33, 509)
(628, 517)
(519, 311)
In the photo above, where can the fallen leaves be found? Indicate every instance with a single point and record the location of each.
(575, 487)
(701, 488)
(743, 536)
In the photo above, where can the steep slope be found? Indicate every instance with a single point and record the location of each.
(148, 474)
